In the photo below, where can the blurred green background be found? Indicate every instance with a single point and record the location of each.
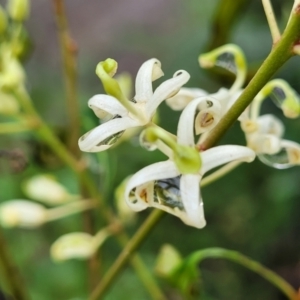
(254, 210)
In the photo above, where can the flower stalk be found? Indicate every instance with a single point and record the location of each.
(275, 32)
(126, 254)
(248, 263)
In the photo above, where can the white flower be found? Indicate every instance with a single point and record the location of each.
(162, 185)
(143, 106)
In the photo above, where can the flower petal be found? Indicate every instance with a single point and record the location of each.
(95, 140)
(184, 97)
(220, 155)
(166, 90)
(192, 202)
(157, 171)
(148, 72)
(105, 104)
(206, 105)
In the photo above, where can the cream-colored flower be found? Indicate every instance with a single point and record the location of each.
(162, 185)
(125, 114)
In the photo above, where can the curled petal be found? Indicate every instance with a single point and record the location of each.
(208, 116)
(220, 155)
(184, 97)
(104, 105)
(284, 97)
(104, 136)
(192, 202)
(288, 156)
(157, 171)
(231, 58)
(166, 90)
(148, 72)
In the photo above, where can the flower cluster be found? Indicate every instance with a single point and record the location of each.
(264, 133)
(172, 185)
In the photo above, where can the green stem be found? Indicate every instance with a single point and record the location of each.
(147, 278)
(68, 53)
(45, 134)
(8, 128)
(281, 52)
(69, 209)
(11, 273)
(248, 263)
(126, 254)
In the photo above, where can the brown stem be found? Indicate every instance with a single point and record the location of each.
(68, 50)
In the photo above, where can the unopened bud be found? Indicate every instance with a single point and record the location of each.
(46, 189)
(8, 105)
(22, 213)
(167, 261)
(73, 245)
(77, 245)
(18, 9)
(12, 74)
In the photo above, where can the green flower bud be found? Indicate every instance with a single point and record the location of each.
(229, 57)
(167, 261)
(105, 70)
(18, 9)
(282, 95)
(12, 74)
